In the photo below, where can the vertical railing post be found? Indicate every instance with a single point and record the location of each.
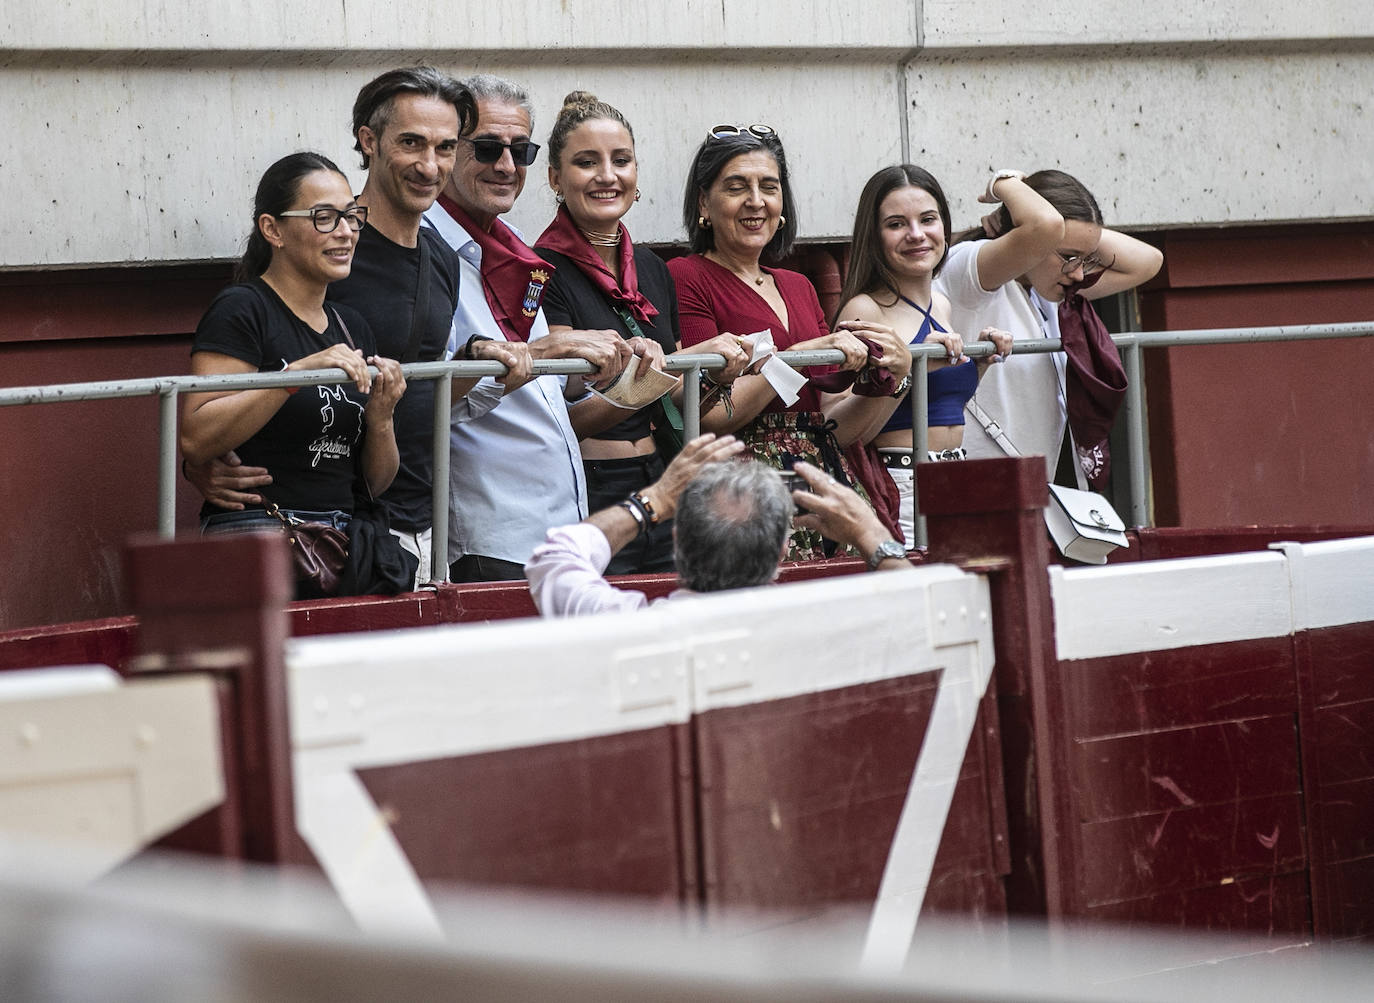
(167, 463)
(691, 404)
(1136, 446)
(438, 543)
(919, 399)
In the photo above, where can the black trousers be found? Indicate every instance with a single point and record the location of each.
(610, 482)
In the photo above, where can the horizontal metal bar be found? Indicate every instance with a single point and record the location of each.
(106, 390)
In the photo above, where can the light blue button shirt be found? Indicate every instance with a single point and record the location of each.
(515, 469)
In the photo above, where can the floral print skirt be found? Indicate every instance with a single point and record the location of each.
(780, 440)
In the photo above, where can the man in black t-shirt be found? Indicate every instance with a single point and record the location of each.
(404, 282)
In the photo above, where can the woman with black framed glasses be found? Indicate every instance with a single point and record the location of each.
(739, 212)
(604, 282)
(1044, 245)
(314, 439)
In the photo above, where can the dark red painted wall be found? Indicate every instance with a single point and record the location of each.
(78, 478)
(1264, 434)
(1267, 434)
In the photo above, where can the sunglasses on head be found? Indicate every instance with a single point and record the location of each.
(726, 131)
(488, 151)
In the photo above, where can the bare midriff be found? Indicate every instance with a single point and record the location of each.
(616, 449)
(939, 437)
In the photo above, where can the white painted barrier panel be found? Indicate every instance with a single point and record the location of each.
(102, 766)
(1333, 581)
(423, 694)
(1158, 605)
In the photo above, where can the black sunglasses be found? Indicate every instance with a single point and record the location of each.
(488, 151)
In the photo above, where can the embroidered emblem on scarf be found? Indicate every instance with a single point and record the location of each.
(534, 292)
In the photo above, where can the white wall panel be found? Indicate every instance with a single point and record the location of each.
(136, 165)
(331, 26)
(1160, 140)
(979, 23)
(140, 127)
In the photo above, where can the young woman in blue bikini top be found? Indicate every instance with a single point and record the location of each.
(901, 237)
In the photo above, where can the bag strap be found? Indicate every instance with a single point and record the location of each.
(421, 310)
(990, 425)
(344, 328)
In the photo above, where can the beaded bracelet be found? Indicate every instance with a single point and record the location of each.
(710, 386)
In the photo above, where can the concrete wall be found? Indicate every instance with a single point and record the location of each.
(138, 130)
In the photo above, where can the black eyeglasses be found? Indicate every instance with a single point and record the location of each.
(326, 219)
(488, 151)
(726, 131)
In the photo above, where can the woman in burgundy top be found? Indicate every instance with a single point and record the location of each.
(738, 210)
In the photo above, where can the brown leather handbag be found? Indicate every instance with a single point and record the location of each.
(319, 551)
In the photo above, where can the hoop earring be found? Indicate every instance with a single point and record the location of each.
(636, 194)
(703, 222)
(782, 220)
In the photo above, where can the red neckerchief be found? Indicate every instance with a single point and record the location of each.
(564, 237)
(1095, 382)
(513, 276)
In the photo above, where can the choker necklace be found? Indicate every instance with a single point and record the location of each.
(597, 239)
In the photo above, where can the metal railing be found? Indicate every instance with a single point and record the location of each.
(168, 388)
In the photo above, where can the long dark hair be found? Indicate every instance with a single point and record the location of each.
(711, 158)
(868, 267)
(1066, 193)
(280, 185)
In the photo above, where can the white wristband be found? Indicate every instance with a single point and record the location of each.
(1002, 175)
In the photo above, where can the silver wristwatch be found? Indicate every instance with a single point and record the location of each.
(902, 387)
(886, 549)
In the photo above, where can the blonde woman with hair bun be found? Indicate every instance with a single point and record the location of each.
(602, 281)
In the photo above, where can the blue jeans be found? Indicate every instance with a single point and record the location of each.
(256, 520)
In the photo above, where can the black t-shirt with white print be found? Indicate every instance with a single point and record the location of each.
(313, 444)
(382, 287)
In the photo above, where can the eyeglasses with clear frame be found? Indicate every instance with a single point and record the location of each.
(1090, 263)
(758, 131)
(488, 151)
(326, 218)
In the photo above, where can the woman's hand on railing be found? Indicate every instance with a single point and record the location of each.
(350, 360)
(895, 355)
(855, 351)
(1001, 341)
(649, 351)
(954, 348)
(387, 387)
(729, 347)
(226, 482)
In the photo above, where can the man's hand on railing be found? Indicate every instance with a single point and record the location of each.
(514, 355)
(606, 350)
(226, 482)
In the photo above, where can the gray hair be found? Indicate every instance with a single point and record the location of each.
(730, 526)
(487, 86)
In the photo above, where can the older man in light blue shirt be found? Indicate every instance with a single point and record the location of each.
(515, 468)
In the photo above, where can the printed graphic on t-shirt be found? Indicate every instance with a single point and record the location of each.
(334, 445)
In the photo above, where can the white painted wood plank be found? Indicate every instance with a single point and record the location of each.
(1160, 605)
